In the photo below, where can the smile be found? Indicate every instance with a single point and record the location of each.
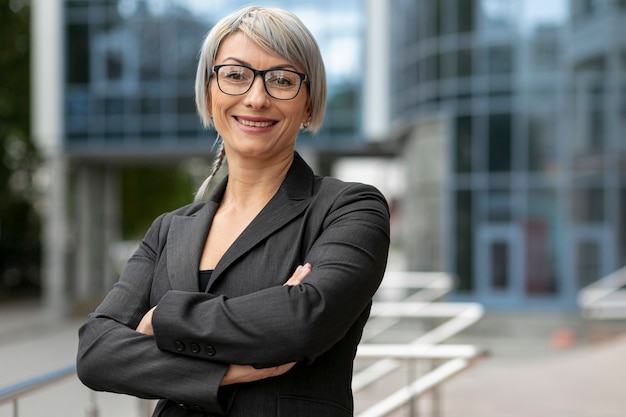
(255, 124)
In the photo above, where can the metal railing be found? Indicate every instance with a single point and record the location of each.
(605, 299)
(13, 393)
(439, 362)
(415, 296)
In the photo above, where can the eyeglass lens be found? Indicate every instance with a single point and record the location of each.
(280, 83)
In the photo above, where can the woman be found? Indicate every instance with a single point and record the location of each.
(253, 302)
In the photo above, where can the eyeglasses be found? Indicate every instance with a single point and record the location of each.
(281, 84)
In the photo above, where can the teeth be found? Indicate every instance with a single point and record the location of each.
(255, 124)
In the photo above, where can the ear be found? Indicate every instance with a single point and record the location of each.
(307, 115)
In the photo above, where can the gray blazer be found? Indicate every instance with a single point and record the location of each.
(246, 315)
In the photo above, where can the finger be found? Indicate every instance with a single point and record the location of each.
(306, 269)
(292, 278)
(299, 274)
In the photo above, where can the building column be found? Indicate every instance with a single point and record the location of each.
(48, 131)
(97, 229)
(376, 86)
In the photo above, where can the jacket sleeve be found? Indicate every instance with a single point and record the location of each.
(300, 322)
(113, 357)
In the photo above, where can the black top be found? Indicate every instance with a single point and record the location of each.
(203, 279)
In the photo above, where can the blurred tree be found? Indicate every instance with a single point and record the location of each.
(19, 221)
(151, 190)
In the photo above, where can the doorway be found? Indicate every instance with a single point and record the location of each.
(498, 269)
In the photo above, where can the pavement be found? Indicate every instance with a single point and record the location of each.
(573, 371)
(542, 365)
(32, 342)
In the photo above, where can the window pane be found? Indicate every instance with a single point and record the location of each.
(500, 60)
(465, 15)
(464, 63)
(499, 265)
(499, 143)
(541, 251)
(499, 206)
(587, 263)
(77, 53)
(463, 236)
(541, 143)
(587, 205)
(463, 146)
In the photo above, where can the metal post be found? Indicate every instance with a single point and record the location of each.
(411, 374)
(92, 409)
(436, 395)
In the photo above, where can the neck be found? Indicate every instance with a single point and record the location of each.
(254, 183)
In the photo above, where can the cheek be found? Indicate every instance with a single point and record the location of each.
(217, 104)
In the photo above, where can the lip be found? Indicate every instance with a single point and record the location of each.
(254, 123)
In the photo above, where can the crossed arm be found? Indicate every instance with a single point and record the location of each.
(117, 355)
(236, 374)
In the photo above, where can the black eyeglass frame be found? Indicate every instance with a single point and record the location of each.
(303, 79)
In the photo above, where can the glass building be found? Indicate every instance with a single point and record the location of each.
(114, 87)
(513, 115)
(130, 72)
(507, 116)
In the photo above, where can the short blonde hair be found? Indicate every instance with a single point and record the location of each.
(278, 32)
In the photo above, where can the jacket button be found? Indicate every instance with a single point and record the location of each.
(210, 350)
(179, 346)
(195, 348)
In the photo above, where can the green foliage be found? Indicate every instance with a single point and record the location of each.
(19, 222)
(148, 191)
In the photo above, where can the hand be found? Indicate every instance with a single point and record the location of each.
(145, 325)
(236, 374)
(299, 274)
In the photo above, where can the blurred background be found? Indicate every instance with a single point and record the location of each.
(495, 128)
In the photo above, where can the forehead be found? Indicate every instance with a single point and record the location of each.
(239, 48)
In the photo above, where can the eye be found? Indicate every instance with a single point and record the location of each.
(282, 79)
(235, 74)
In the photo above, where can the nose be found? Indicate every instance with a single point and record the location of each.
(257, 95)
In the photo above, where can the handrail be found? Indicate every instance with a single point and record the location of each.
(605, 298)
(462, 316)
(431, 285)
(15, 391)
(445, 360)
(404, 351)
(19, 389)
(458, 358)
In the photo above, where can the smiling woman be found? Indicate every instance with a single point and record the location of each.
(253, 302)
(255, 125)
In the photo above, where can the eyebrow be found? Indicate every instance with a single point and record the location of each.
(247, 64)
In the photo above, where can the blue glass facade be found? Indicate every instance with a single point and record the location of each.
(130, 71)
(532, 94)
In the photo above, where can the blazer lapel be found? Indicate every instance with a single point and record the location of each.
(185, 242)
(291, 199)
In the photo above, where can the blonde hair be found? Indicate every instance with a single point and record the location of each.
(277, 31)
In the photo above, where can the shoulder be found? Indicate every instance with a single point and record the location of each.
(331, 185)
(162, 223)
(338, 192)
(188, 210)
